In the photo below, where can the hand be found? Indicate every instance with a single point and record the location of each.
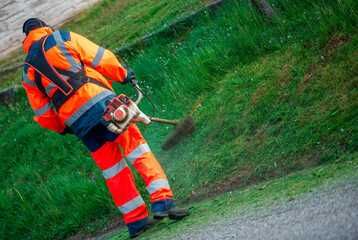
(131, 78)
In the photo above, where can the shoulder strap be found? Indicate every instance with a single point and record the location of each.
(39, 83)
(37, 60)
(66, 88)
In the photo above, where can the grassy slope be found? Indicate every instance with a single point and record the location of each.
(35, 175)
(115, 23)
(121, 22)
(252, 199)
(268, 99)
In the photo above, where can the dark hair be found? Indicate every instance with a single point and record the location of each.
(31, 24)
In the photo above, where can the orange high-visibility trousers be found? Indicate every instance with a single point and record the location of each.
(113, 158)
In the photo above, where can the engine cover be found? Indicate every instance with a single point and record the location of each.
(121, 111)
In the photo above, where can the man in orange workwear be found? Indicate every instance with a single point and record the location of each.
(66, 78)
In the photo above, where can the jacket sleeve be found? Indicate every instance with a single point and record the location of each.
(45, 115)
(103, 60)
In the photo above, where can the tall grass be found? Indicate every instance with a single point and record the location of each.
(242, 79)
(267, 98)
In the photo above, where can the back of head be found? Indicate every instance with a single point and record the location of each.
(31, 24)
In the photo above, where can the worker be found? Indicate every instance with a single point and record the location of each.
(68, 81)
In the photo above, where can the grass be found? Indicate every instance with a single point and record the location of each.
(287, 97)
(115, 23)
(268, 99)
(254, 198)
(122, 22)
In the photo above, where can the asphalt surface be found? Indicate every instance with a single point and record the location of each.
(329, 213)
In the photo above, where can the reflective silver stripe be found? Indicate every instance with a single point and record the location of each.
(157, 184)
(87, 106)
(43, 109)
(98, 57)
(136, 153)
(113, 171)
(75, 67)
(49, 88)
(131, 205)
(26, 79)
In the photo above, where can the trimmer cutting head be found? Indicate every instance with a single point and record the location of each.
(182, 129)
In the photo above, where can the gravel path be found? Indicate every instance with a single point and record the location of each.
(330, 213)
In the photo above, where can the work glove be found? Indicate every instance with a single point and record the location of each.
(131, 78)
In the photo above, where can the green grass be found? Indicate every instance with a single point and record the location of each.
(122, 22)
(251, 199)
(114, 23)
(268, 99)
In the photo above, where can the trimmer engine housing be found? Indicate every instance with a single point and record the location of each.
(121, 111)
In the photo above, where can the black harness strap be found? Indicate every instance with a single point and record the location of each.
(39, 83)
(58, 99)
(66, 89)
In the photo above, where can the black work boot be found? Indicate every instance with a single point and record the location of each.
(138, 227)
(167, 208)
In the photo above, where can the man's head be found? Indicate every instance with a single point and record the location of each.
(31, 24)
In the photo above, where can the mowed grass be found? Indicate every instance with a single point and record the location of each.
(268, 99)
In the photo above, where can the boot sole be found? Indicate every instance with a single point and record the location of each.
(160, 216)
(177, 217)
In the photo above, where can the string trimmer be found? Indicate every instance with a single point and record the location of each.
(122, 111)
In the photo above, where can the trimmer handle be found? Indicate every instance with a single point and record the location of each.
(142, 117)
(139, 93)
(164, 121)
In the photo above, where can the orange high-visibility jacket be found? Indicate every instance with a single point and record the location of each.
(68, 52)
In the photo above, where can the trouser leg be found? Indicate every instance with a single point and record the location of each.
(120, 182)
(138, 153)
